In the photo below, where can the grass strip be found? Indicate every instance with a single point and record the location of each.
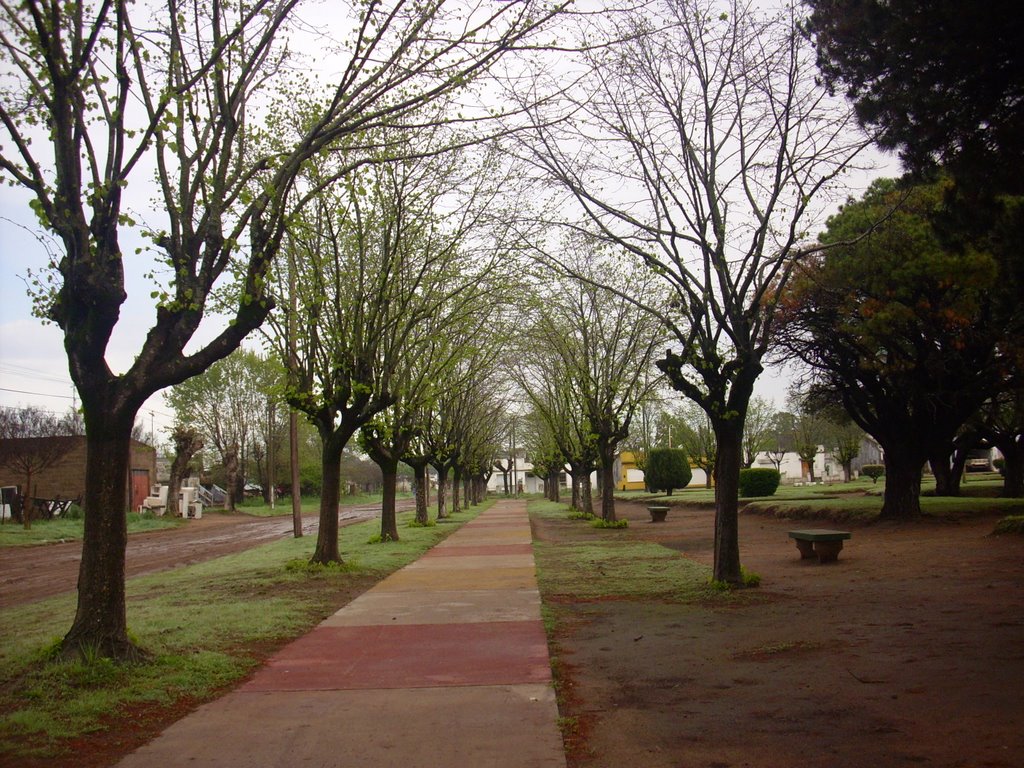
(60, 530)
(601, 568)
(866, 509)
(206, 626)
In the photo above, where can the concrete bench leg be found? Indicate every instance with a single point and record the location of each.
(827, 551)
(806, 549)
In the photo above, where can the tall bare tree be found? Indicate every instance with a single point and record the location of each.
(701, 144)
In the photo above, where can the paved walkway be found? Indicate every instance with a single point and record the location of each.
(444, 663)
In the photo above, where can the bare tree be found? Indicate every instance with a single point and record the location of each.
(31, 441)
(758, 430)
(699, 144)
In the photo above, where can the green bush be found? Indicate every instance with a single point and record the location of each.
(874, 471)
(74, 513)
(758, 481)
(1000, 466)
(667, 469)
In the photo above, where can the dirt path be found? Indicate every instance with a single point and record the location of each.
(908, 651)
(28, 574)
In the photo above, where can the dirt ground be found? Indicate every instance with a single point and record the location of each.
(28, 574)
(907, 651)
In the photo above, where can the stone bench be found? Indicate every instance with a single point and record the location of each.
(819, 542)
(657, 513)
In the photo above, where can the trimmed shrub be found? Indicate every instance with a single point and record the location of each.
(874, 471)
(667, 469)
(759, 481)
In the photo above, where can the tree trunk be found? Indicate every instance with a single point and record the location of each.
(442, 492)
(958, 465)
(902, 498)
(230, 463)
(607, 483)
(586, 497)
(946, 483)
(29, 506)
(556, 492)
(847, 471)
(388, 518)
(326, 550)
(100, 624)
(577, 494)
(1012, 449)
(456, 489)
(728, 462)
(422, 490)
(293, 451)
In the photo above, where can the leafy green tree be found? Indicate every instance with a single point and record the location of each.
(899, 329)
(699, 440)
(553, 401)
(385, 270)
(667, 469)
(228, 404)
(933, 79)
(758, 429)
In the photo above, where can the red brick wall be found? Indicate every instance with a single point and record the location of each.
(66, 478)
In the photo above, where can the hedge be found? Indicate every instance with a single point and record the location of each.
(758, 481)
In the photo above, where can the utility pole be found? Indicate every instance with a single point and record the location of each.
(293, 417)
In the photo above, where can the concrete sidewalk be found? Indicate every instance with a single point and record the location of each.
(444, 663)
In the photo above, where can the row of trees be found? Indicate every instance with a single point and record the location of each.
(180, 95)
(586, 371)
(688, 145)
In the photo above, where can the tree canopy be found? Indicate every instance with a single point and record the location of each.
(900, 327)
(939, 80)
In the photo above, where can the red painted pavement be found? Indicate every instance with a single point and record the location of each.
(409, 656)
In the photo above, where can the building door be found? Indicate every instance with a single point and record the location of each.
(140, 487)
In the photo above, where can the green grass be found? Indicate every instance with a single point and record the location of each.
(609, 569)
(52, 531)
(866, 509)
(206, 626)
(310, 504)
(857, 501)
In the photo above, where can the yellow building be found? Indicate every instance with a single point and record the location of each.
(629, 476)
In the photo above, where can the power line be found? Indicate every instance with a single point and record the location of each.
(37, 394)
(11, 369)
